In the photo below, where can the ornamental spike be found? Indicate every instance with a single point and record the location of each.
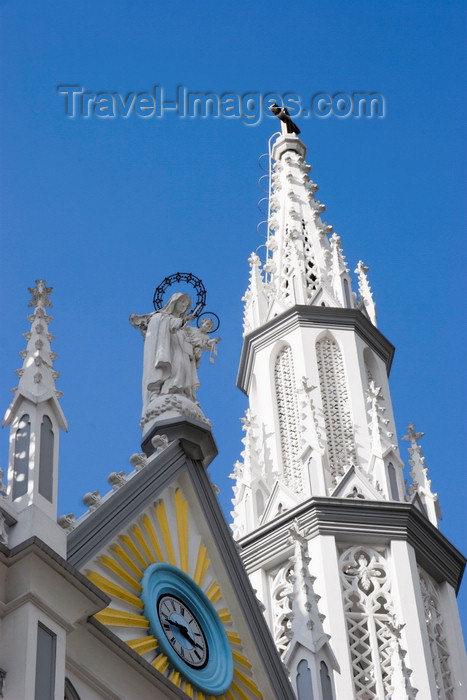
(421, 484)
(364, 290)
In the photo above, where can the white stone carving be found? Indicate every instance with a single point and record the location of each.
(364, 290)
(289, 419)
(372, 627)
(337, 417)
(160, 442)
(281, 595)
(138, 460)
(92, 500)
(116, 480)
(172, 352)
(67, 522)
(421, 484)
(438, 644)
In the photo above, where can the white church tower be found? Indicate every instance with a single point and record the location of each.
(358, 584)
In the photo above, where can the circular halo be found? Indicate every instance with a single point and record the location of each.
(188, 278)
(212, 316)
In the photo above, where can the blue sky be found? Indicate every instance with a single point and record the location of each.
(104, 209)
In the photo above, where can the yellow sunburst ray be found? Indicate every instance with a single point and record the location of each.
(187, 689)
(119, 618)
(161, 516)
(160, 663)
(233, 638)
(120, 572)
(240, 659)
(214, 592)
(123, 556)
(247, 682)
(175, 678)
(202, 565)
(181, 512)
(138, 534)
(143, 644)
(239, 693)
(112, 589)
(149, 527)
(128, 542)
(224, 615)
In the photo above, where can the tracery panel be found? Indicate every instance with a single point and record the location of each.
(437, 636)
(289, 418)
(336, 407)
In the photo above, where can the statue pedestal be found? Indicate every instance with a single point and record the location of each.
(194, 436)
(168, 406)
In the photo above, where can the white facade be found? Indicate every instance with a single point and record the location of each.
(349, 564)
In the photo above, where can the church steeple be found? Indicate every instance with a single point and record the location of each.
(35, 418)
(321, 456)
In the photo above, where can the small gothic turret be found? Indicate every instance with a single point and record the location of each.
(420, 489)
(35, 417)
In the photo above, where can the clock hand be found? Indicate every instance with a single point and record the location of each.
(184, 630)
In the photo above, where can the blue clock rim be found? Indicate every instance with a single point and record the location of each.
(164, 579)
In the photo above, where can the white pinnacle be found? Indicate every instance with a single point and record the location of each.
(37, 375)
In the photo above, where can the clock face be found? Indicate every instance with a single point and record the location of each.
(183, 631)
(187, 628)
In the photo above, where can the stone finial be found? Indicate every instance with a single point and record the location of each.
(138, 460)
(37, 375)
(364, 290)
(421, 484)
(160, 442)
(67, 522)
(255, 297)
(92, 500)
(380, 436)
(40, 294)
(116, 480)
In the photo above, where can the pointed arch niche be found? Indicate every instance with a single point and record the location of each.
(336, 406)
(288, 417)
(21, 457)
(46, 459)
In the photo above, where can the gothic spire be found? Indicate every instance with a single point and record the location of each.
(37, 375)
(303, 266)
(35, 419)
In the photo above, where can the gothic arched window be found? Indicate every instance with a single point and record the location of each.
(326, 683)
(304, 685)
(46, 459)
(393, 482)
(21, 457)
